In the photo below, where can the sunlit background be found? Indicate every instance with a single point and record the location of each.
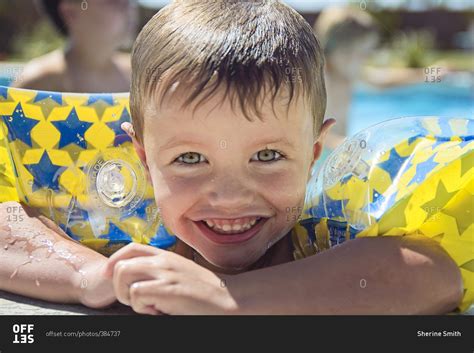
(432, 39)
(436, 37)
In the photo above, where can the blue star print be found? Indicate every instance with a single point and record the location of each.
(107, 98)
(422, 170)
(45, 173)
(57, 97)
(393, 165)
(72, 130)
(116, 234)
(120, 135)
(19, 126)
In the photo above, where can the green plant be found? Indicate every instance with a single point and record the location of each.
(414, 48)
(41, 40)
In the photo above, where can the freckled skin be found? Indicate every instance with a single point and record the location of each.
(231, 178)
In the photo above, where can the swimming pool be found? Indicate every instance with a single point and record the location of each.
(4, 81)
(453, 97)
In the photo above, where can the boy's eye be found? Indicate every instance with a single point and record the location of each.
(268, 156)
(191, 158)
(194, 158)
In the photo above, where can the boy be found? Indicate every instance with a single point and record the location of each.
(219, 87)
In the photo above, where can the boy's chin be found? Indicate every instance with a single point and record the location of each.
(233, 263)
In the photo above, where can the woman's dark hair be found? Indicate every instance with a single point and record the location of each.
(51, 8)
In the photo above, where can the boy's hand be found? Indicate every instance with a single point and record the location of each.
(154, 281)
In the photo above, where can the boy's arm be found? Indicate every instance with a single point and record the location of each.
(383, 275)
(38, 260)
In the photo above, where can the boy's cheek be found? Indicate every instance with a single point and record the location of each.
(283, 194)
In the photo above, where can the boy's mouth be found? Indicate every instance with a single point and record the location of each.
(227, 231)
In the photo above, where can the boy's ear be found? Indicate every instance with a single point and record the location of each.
(128, 128)
(319, 143)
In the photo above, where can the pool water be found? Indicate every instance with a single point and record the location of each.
(452, 98)
(4, 81)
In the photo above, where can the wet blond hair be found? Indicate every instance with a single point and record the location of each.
(248, 47)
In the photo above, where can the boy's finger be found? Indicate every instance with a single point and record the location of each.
(130, 271)
(128, 252)
(142, 305)
(146, 294)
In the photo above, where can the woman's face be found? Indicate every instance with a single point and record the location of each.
(100, 22)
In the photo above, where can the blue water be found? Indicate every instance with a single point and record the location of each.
(448, 99)
(4, 81)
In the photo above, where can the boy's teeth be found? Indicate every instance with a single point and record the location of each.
(232, 226)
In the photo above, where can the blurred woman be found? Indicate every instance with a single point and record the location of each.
(90, 61)
(348, 36)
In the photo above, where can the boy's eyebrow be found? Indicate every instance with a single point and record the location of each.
(174, 142)
(282, 140)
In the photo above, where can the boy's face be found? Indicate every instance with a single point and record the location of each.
(214, 167)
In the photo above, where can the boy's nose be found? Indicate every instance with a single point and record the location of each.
(230, 193)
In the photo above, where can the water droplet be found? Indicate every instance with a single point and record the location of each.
(6, 227)
(14, 273)
(37, 283)
(5, 247)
